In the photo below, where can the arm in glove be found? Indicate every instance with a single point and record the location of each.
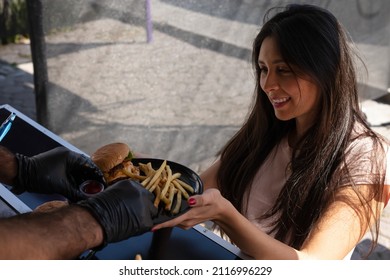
(124, 209)
(59, 170)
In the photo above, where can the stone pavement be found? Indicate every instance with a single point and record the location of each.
(16, 82)
(165, 96)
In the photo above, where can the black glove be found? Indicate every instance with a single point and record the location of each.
(124, 209)
(59, 170)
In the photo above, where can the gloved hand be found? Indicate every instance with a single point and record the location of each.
(124, 209)
(59, 170)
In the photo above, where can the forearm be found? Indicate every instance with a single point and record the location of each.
(61, 234)
(252, 240)
(8, 166)
(209, 176)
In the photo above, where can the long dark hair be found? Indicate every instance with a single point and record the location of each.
(311, 39)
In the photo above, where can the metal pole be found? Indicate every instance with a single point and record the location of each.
(149, 24)
(38, 53)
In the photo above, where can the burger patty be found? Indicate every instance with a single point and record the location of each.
(116, 174)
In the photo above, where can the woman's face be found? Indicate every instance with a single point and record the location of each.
(291, 95)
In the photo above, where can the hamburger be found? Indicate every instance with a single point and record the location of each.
(114, 160)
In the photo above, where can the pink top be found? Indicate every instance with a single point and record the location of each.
(268, 182)
(273, 174)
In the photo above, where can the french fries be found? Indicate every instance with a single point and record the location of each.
(165, 185)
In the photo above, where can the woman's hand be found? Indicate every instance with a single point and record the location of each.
(205, 207)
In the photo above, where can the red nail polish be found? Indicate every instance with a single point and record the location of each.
(191, 201)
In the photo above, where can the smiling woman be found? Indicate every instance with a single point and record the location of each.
(305, 176)
(291, 96)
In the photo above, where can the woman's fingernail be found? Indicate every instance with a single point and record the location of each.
(191, 201)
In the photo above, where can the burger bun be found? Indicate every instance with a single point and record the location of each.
(110, 155)
(50, 206)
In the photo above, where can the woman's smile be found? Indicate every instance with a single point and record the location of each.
(279, 102)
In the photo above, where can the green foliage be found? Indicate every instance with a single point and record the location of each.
(13, 21)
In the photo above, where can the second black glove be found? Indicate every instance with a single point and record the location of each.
(124, 209)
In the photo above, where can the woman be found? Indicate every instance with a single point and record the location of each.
(304, 178)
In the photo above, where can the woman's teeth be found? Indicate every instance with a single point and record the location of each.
(280, 100)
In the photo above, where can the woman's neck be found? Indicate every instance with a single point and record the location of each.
(295, 135)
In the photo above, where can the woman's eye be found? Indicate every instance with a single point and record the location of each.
(263, 69)
(284, 70)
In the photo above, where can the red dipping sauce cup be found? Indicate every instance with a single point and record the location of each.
(91, 187)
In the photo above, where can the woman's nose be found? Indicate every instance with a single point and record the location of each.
(270, 82)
